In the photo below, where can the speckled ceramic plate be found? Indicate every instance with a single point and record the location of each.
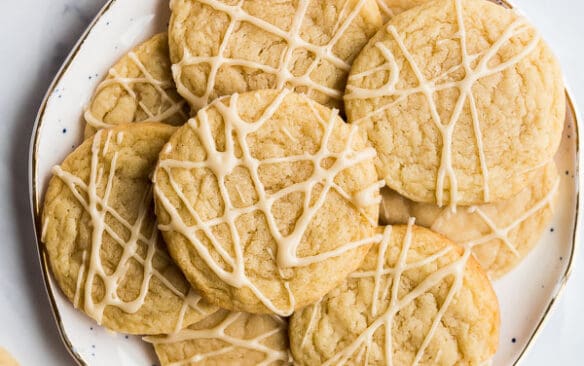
(526, 295)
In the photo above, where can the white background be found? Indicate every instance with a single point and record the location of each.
(35, 38)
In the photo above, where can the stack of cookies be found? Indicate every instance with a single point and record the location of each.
(342, 195)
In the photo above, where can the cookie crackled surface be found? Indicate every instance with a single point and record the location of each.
(228, 339)
(501, 234)
(220, 47)
(138, 88)
(462, 99)
(417, 299)
(391, 8)
(267, 200)
(100, 235)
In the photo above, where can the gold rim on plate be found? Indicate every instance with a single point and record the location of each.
(571, 115)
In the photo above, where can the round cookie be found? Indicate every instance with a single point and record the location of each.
(461, 99)
(500, 234)
(219, 49)
(138, 88)
(6, 358)
(416, 299)
(229, 339)
(267, 200)
(391, 8)
(100, 235)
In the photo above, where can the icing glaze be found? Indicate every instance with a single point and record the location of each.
(387, 281)
(475, 67)
(385, 9)
(502, 233)
(232, 343)
(222, 163)
(92, 267)
(284, 77)
(167, 108)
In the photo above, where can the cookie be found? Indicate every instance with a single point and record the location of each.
(229, 339)
(100, 237)
(501, 234)
(391, 8)
(417, 299)
(220, 48)
(138, 88)
(6, 358)
(462, 100)
(267, 200)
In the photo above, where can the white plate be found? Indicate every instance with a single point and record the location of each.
(526, 295)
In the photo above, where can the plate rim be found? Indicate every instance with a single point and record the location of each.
(33, 181)
(34, 197)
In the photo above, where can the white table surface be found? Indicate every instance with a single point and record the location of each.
(35, 38)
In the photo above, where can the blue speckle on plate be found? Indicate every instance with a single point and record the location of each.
(93, 346)
(513, 340)
(64, 130)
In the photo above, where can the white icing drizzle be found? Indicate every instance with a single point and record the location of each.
(98, 208)
(233, 343)
(106, 146)
(45, 225)
(168, 106)
(502, 233)
(80, 279)
(222, 163)
(386, 287)
(429, 87)
(289, 135)
(385, 9)
(284, 77)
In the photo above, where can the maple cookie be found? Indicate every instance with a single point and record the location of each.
(501, 234)
(227, 338)
(220, 48)
(391, 8)
(267, 200)
(101, 240)
(138, 88)
(417, 299)
(6, 358)
(461, 99)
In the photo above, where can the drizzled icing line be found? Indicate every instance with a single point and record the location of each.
(387, 282)
(168, 106)
(98, 207)
(222, 163)
(233, 343)
(429, 87)
(284, 76)
(385, 9)
(502, 233)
